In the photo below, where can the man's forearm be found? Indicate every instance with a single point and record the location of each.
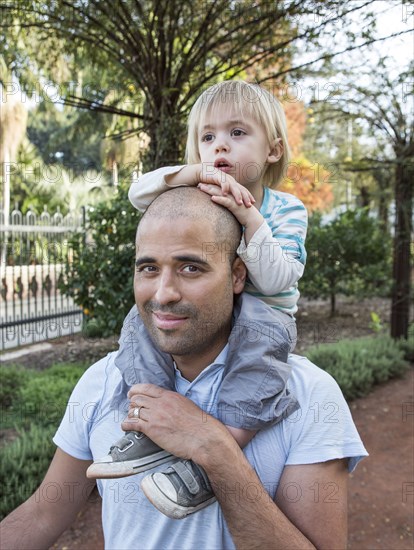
(24, 529)
(39, 521)
(253, 518)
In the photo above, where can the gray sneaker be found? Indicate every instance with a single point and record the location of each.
(133, 453)
(181, 490)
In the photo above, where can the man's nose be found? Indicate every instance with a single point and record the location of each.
(167, 290)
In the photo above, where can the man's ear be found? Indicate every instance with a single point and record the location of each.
(239, 274)
(276, 152)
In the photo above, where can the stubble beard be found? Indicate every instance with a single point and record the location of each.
(200, 335)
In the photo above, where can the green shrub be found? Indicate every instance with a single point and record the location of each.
(42, 399)
(357, 365)
(100, 276)
(23, 464)
(408, 345)
(349, 255)
(11, 379)
(35, 408)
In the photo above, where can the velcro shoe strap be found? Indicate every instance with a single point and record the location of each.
(203, 474)
(187, 477)
(122, 443)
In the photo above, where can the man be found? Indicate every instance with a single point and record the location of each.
(288, 488)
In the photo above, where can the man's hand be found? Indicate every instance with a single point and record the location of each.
(172, 421)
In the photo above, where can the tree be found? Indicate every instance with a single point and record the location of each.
(13, 123)
(385, 106)
(348, 256)
(100, 276)
(44, 146)
(159, 54)
(308, 181)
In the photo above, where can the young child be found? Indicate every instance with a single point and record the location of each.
(236, 151)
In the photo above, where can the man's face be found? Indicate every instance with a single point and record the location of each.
(184, 295)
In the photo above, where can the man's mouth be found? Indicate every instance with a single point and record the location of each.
(167, 320)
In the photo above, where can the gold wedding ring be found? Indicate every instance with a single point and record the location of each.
(135, 412)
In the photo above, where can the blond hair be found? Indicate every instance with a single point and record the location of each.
(248, 100)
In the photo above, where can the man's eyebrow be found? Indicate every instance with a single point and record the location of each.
(192, 260)
(144, 260)
(185, 258)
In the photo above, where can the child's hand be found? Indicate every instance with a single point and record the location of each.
(248, 217)
(228, 185)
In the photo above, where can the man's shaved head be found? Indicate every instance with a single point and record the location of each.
(191, 203)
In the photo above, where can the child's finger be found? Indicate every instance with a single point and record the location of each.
(238, 197)
(246, 198)
(223, 201)
(210, 189)
(242, 196)
(218, 179)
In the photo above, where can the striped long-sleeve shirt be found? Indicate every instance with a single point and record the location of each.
(275, 256)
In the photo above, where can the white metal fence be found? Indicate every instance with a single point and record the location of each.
(34, 253)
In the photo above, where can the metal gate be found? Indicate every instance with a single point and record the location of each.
(34, 253)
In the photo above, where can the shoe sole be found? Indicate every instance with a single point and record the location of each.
(167, 506)
(113, 470)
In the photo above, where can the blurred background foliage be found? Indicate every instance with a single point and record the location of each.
(92, 92)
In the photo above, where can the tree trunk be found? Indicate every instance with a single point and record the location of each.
(383, 211)
(333, 304)
(167, 139)
(364, 197)
(6, 200)
(6, 169)
(383, 177)
(400, 301)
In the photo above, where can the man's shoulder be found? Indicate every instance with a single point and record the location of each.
(100, 376)
(307, 378)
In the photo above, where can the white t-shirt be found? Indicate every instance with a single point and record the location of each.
(321, 430)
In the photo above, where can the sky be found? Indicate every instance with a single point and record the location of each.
(394, 17)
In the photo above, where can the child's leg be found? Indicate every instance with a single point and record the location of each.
(254, 392)
(139, 362)
(243, 437)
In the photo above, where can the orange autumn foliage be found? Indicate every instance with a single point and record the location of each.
(310, 183)
(296, 123)
(306, 180)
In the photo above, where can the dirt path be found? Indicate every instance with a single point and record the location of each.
(382, 487)
(381, 490)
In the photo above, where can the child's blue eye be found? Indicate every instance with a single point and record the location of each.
(207, 137)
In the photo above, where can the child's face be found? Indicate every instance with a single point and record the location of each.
(238, 146)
